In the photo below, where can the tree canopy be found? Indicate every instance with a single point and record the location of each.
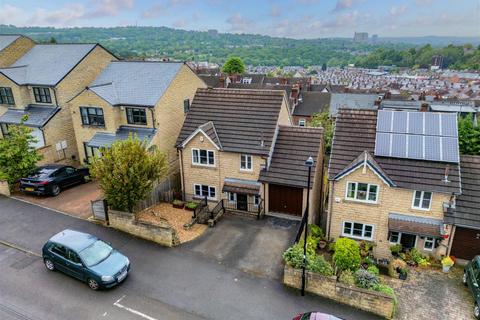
(234, 65)
(325, 121)
(468, 136)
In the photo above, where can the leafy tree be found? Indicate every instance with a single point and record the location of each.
(323, 120)
(468, 136)
(347, 254)
(234, 65)
(17, 157)
(324, 66)
(126, 172)
(52, 40)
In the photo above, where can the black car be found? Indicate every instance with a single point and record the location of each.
(51, 179)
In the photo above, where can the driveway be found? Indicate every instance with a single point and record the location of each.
(74, 200)
(253, 246)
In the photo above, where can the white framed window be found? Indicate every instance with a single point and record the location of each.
(422, 200)
(357, 230)
(203, 157)
(428, 243)
(232, 197)
(247, 80)
(394, 237)
(302, 122)
(256, 200)
(246, 162)
(364, 192)
(202, 190)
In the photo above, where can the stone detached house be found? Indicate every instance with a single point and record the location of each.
(38, 86)
(145, 99)
(12, 47)
(392, 174)
(238, 147)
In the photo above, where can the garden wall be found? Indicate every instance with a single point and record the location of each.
(4, 190)
(162, 233)
(328, 287)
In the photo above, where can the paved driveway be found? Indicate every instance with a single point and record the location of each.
(74, 200)
(253, 246)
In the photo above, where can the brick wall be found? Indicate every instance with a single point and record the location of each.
(390, 200)
(15, 51)
(328, 287)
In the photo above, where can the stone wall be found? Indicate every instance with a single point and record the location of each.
(4, 189)
(328, 287)
(162, 233)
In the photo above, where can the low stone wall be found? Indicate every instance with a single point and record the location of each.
(161, 233)
(4, 189)
(328, 287)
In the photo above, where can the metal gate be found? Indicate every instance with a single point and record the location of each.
(100, 209)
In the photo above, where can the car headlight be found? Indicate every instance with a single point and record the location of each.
(107, 278)
(128, 262)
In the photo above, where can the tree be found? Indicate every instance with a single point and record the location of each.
(126, 172)
(52, 40)
(234, 65)
(323, 120)
(468, 136)
(17, 157)
(324, 67)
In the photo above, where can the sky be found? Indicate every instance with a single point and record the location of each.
(284, 18)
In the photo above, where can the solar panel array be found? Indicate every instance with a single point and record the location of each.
(417, 135)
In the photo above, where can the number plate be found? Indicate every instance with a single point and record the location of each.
(122, 276)
(29, 189)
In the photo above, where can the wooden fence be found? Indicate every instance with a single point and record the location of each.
(163, 191)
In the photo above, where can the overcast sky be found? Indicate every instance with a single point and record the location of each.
(289, 18)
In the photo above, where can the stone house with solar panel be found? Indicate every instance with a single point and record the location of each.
(39, 84)
(239, 151)
(144, 99)
(392, 176)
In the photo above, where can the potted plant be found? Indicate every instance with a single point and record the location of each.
(179, 204)
(396, 249)
(402, 274)
(191, 205)
(447, 263)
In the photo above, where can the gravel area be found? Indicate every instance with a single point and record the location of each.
(175, 217)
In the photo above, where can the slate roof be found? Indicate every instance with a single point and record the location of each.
(293, 146)
(140, 83)
(312, 102)
(242, 118)
(7, 39)
(46, 64)
(352, 101)
(258, 86)
(38, 116)
(355, 133)
(467, 207)
(105, 139)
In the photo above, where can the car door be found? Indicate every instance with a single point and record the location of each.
(472, 277)
(73, 176)
(74, 265)
(58, 255)
(61, 178)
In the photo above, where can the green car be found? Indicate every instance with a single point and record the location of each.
(471, 278)
(86, 258)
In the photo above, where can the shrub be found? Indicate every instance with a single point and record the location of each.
(178, 202)
(191, 205)
(293, 256)
(365, 279)
(416, 256)
(447, 261)
(383, 288)
(394, 265)
(347, 254)
(368, 261)
(396, 249)
(374, 270)
(365, 248)
(311, 245)
(347, 277)
(316, 232)
(320, 265)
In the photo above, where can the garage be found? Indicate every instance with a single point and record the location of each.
(466, 243)
(285, 199)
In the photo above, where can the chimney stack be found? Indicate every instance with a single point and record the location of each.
(425, 107)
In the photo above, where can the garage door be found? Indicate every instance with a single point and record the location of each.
(285, 199)
(466, 243)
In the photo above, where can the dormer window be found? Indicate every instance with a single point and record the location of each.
(422, 200)
(6, 96)
(42, 95)
(136, 116)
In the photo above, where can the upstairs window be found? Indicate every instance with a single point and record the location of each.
(136, 116)
(422, 200)
(246, 162)
(6, 96)
(203, 157)
(92, 116)
(42, 95)
(362, 192)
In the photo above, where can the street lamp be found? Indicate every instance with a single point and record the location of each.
(309, 163)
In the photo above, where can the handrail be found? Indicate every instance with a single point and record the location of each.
(219, 207)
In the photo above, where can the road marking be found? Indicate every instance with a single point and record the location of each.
(14, 246)
(138, 313)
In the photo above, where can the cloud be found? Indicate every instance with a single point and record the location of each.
(109, 8)
(423, 2)
(240, 24)
(344, 5)
(12, 15)
(161, 8)
(66, 16)
(398, 11)
(275, 11)
(307, 1)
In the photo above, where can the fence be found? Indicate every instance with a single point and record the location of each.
(163, 191)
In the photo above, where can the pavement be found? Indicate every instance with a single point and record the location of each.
(165, 283)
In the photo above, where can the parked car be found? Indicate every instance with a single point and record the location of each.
(87, 258)
(51, 179)
(315, 316)
(471, 278)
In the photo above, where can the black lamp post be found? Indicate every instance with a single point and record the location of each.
(309, 163)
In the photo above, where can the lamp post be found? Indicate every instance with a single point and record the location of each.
(309, 163)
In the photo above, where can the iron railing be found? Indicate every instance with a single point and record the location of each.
(301, 228)
(246, 206)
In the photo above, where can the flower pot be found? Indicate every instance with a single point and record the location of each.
(189, 209)
(322, 244)
(446, 268)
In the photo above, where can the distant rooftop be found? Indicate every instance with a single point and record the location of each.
(6, 40)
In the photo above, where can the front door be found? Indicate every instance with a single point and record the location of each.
(242, 202)
(408, 241)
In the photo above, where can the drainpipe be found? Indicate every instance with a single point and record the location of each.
(153, 117)
(330, 205)
(183, 173)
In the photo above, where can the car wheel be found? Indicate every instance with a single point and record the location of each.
(55, 190)
(93, 284)
(476, 311)
(464, 278)
(49, 264)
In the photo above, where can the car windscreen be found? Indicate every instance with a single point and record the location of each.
(95, 253)
(42, 172)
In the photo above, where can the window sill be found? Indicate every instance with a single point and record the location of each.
(91, 126)
(202, 198)
(205, 166)
(420, 209)
(369, 203)
(357, 238)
